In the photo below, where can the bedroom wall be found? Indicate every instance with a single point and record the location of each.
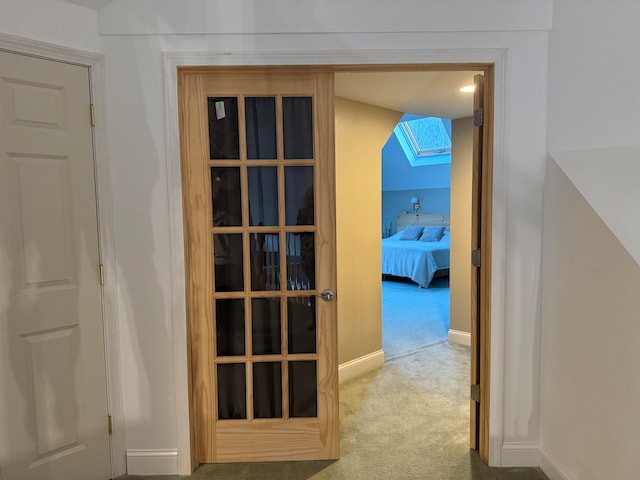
(134, 35)
(432, 200)
(461, 187)
(401, 181)
(593, 103)
(361, 131)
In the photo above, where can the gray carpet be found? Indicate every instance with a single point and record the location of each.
(408, 420)
(413, 317)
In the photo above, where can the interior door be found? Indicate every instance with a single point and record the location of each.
(53, 412)
(259, 204)
(481, 277)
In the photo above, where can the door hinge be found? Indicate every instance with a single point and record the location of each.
(109, 425)
(475, 393)
(475, 258)
(478, 117)
(101, 268)
(92, 113)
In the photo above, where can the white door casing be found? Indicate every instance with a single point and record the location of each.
(52, 358)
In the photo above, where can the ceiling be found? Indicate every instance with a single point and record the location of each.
(430, 94)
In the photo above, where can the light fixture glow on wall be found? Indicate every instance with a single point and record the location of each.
(416, 204)
(468, 89)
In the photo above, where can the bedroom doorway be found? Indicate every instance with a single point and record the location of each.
(354, 204)
(365, 81)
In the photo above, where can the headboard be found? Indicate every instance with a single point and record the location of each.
(421, 219)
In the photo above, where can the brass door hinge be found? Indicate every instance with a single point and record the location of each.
(478, 117)
(475, 258)
(475, 393)
(92, 114)
(109, 425)
(101, 268)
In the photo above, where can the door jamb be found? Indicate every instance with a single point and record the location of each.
(351, 61)
(94, 62)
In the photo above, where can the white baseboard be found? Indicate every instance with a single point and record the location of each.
(355, 368)
(461, 338)
(152, 462)
(550, 468)
(520, 454)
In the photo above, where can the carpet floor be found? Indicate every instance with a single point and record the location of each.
(413, 317)
(408, 420)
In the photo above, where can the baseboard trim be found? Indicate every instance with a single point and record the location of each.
(550, 468)
(520, 454)
(355, 368)
(459, 337)
(152, 462)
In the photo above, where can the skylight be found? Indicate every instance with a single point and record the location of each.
(425, 140)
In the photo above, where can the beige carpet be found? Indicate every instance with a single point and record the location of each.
(408, 420)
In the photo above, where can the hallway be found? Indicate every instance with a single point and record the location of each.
(408, 420)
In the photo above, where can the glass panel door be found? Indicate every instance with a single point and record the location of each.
(266, 378)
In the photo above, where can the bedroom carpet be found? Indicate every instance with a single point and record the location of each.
(413, 317)
(408, 420)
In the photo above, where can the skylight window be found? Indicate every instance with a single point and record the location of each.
(427, 136)
(425, 140)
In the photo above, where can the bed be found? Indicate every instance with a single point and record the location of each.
(415, 259)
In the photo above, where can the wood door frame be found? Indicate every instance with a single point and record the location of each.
(94, 62)
(492, 63)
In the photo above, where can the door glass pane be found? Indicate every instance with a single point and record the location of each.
(227, 257)
(224, 139)
(263, 195)
(225, 196)
(301, 268)
(301, 315)
(265, 261)
(297, 127)
(230, 327)
(267, 390)
(298, 195)
(232, 393)
(303, 397)
(260, 113)
(265, 326)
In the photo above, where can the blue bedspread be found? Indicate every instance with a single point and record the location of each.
(413, 259)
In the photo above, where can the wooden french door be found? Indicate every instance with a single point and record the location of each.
(481, 259)
(259, 204)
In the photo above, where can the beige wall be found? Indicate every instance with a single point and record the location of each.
(361, 131)
(461, 187)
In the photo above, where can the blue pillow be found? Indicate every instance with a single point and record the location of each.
(411, 232)
(432, 234)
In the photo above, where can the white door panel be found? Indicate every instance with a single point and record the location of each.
(53, 409)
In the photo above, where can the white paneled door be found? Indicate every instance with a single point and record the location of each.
(53, 403)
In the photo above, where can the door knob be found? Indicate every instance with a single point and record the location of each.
(327, 295)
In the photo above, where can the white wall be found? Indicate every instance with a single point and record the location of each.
(51, 21)
(593, 103)
(593, 75)
(590, 329)
(135, 126)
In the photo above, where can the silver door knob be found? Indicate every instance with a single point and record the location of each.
(327, 295)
